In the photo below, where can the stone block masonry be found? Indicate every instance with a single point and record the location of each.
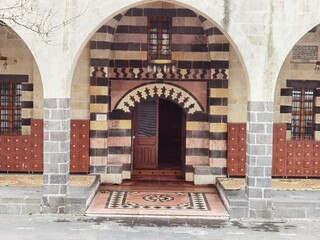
(56, 154)
(259, 159)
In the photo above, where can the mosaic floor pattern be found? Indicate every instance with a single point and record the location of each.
(157, 201)
(157, 198)
(277, 184)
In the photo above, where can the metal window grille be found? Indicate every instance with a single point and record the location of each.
(159, 38)
(302, 123)
(10, 108)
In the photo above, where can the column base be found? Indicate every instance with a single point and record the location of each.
(53, 204)
(260, 208)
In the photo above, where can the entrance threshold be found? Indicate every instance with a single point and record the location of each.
(157, 174)
(158, 199)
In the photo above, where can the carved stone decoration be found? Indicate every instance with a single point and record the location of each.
(159, 90)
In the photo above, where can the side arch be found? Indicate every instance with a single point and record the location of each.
(162, 90)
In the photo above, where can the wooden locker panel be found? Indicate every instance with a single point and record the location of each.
(280, 149)
(74, 131)
(315, 163)
(280, 129)
(74, 153)
(307, 163)
(290, 163)
(8, 153)
(298, 171)
(84, 127)
(242, 139)
(84, 165)
(233, 159)
(236, 149)
(232, 139)
(8, 163)
(242, 169)
(291, 145)
(36, 163)
(316, 154)
(316, 146)
(316, 150)
(17, 163)
(279, 160)
(290, 171)
(233, 150)
(308, 145)
(37, 130)
(308, 154)
(298, 163)
(74, 126)
(315, 172)
(242, 159)
(279, 138)
(232, 169)
(242, 129)
(84, 137)
(290, 154)
(241, 150)
(2, 156)
(79, 146)
(299, 153)
(279, 170)
(26, 148)
(73, 136)
(17, 159)
(37, 159)
(307, 172)
(300, 145)
(280, 141)
(233, 128)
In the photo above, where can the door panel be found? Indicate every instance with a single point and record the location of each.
(145, 138)
(159, 136)
(146, 157)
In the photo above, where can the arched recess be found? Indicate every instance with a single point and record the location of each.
(104, 71)
(159, 90)
(212, 14)
(21, 105)
(296, 110)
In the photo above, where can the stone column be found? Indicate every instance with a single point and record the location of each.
(56, 154)
(259, 159)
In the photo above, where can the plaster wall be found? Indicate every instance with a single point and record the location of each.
(237, 100)
(293, 70)
(262, 32)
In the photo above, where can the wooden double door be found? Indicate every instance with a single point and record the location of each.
(158, 135)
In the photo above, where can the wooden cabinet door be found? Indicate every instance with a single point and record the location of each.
(145, 136)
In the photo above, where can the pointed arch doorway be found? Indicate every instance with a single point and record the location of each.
(159, 136)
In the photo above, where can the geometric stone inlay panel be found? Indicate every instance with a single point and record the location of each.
(159, 201)
(143, 73)
(165, 91)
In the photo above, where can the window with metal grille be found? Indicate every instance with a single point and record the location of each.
(302, 123)
(159, 37)
(10, 108)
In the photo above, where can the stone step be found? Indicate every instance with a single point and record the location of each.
(164, 172)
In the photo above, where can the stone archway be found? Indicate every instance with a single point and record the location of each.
(159, 90)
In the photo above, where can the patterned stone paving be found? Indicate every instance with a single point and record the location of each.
(157, 201)
(277, 184)
(157, 198)
(36, 180)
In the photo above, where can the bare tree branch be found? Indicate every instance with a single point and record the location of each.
(25, 13)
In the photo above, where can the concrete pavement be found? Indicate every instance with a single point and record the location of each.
(26, 227)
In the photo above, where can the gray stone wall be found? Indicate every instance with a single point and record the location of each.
(56, 154)
(259, 159)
